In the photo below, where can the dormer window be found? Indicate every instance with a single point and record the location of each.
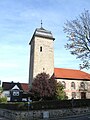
(15, 93)
(40, 48)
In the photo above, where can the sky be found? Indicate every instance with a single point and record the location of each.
(18, 21)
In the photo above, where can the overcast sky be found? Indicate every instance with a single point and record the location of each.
(18, 21)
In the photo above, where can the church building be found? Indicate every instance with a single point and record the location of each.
(76, 83)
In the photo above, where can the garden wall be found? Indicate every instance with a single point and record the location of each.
(42, 114)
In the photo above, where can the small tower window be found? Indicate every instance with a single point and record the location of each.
(40, 49)
(43, 68)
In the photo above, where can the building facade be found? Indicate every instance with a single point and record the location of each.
(76, 83)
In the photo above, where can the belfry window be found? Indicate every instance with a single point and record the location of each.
(40, 48)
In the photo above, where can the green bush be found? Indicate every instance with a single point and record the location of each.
(3, 99)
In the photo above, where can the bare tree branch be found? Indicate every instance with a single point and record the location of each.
(78, 33)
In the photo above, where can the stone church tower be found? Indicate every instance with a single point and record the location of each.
(41, 53)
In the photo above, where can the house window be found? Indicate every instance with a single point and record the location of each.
(64, 84)
(82, 85)
(15, 93)
(40, 49)
(73, 95)
(7, 94)
(73, 85)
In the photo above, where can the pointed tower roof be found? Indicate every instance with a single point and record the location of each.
(41, 32)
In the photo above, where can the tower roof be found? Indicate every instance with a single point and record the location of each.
(41, 32)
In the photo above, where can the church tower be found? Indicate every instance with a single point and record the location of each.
(41, 53)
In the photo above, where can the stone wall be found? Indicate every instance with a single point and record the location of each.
(43, 114)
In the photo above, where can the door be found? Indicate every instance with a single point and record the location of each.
(83, 95)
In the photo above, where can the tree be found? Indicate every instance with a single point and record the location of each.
(2, 98)
(1, 89)
(60, 94)
(43, 87)
(78, 33)
(46, 88)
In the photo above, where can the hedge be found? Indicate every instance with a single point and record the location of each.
(39, 105)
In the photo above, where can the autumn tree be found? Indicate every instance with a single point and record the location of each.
(78, 33)
(43, 87)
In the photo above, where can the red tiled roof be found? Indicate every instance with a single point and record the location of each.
(71, 74)
(25, 87)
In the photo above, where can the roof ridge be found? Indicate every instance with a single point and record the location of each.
(72, 69)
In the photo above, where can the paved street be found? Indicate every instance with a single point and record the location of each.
(83, 117)
(2, 118)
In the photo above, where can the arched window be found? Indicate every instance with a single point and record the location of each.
(82, 85)
(64, 84)
(73, 85)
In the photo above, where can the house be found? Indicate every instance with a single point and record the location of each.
(76, 83)
(15, 91)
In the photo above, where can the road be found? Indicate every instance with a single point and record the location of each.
(2, 118)
(83, 117)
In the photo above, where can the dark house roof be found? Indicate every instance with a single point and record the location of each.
(10, 85)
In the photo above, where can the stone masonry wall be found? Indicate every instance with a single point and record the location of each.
(43, 114)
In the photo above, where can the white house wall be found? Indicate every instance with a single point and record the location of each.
(7, 94)
(69, 90)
